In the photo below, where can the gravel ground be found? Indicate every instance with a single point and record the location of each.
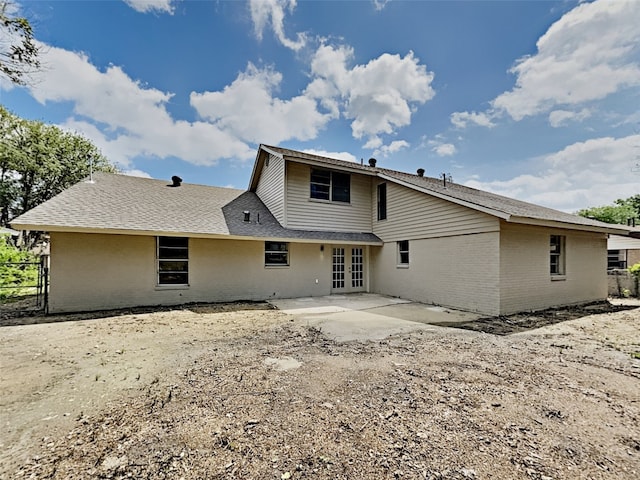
(245, 391)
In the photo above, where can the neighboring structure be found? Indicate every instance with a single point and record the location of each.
(311, 226)
(8, 232)
(622, 252)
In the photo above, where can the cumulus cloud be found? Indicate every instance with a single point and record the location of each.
(272, 12)
(559, 118)
(393, 147)
(136, 173)
(125, 118)
(584, 174)
(157, 6)
(379, 97)
(339, 155)
(588, 54)
(248, 109)
(462, 119)
(445, 149)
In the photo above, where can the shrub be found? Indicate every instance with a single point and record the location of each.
(17, 269)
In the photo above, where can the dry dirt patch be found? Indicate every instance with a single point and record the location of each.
(258, 394)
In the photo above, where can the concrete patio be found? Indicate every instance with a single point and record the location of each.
(367, 316)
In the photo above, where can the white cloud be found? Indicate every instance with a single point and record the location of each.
(379, 97)
(248, 110)
(590, 53)
(462, 119)
(126, 119)
(158, 6)
(584, 174)
(380, 4)
(445, 149)
(265, 12)
(393, 147)
(559, 118)
(136, 173)
(338, 155)
(373, 142)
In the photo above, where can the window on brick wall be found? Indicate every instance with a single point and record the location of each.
(173, 260)
(276, 254)
(403, 253)
(557, 254)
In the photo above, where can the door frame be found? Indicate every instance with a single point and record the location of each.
(348, 269)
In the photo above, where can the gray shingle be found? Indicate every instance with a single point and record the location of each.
(119, 203)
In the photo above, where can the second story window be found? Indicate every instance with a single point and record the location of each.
(332, 186)
(382, 201)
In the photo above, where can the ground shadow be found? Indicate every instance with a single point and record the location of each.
(12, 313)
(521, 322)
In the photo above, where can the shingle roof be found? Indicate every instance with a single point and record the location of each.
(123, 204)
(507, 208)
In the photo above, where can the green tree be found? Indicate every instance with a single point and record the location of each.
(18, 50)
(620, 212)
(38, 161)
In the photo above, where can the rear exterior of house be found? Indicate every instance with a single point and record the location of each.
(314, 226)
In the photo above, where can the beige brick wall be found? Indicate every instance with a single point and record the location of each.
(458, 271)
(524, 268)
(94, 271)
(633, 257)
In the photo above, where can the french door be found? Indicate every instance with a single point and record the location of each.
(348, 269)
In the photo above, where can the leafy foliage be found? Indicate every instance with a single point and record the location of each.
(18, 268)
(18, 50)
(38, 161)
(635, 270)
(620, 212)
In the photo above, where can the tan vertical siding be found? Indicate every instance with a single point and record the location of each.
(304, 213)
(94, 272)
(271, 187)
(524, 268)
(412, 215)
(460, 272)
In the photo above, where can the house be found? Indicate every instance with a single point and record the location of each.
(623, 251)
(312, 226)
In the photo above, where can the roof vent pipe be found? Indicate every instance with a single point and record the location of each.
(372, 162)
(420, 172)
(177, 181)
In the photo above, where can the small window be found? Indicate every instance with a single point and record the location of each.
(382, 201)
(333, 186)
(403, 252)
(173, 260)
(276, 254)
(616, 259)
(556, 255)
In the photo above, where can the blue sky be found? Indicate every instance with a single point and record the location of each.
(535, 100)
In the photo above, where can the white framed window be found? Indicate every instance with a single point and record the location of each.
(276, 254)
(172, 256)
(328, 185)
(403, 253)
(557, 254)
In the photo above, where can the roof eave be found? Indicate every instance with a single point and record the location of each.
(206, 235)
(360, 169)
(474, 206)
(570, 226)
(259, 164)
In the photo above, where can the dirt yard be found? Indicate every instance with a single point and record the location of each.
(244, 391)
